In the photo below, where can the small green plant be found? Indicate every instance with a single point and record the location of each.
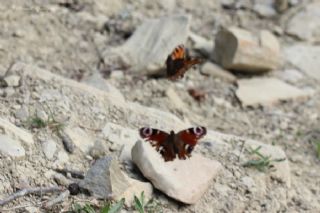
(262, 163)
(108, 208)
(151, 206)
(39, 123)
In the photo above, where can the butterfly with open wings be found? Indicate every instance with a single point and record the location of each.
(179, 61)
(169, 145)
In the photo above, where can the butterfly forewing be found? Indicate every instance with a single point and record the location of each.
(178, 62)
(154, 136)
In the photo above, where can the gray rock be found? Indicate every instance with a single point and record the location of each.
(267, 91)
(175, 99)
(305, 23)
(147, 49)
(240, 50)
(105, 179)
(176, 178)
(10, 147)
(12, 80)
(216, 71)
(305, 57)
(62, 159)
(8, 92)
(49, 148)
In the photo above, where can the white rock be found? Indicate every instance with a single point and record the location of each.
(80, 138)
(176, 178)
(264, 10)
(175, 99)
(147, 49)
(305, 23)
(202, 44)
(12, 80)
(15, 132)
(96, 80)
(121, 136)
(218, 72)
(11, 147)
(49, 148)
(305, 57)
(62, 159)
(238, 49)
(267, 91)
(290, 75)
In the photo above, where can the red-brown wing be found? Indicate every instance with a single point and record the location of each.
(190, 138)
(154, 136)
(178, 53)
(179, 68)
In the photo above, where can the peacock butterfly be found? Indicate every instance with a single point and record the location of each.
(179, 61)
(171, 144)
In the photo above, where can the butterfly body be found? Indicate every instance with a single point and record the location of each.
(172, 144)
(179, 61)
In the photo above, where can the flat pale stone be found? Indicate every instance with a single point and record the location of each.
(11, 147)
(305, 57)
(80, 138)
(16, 132)
(12, 80)
(183, 180)
(266, 91)
(175, 99)
(217, 72)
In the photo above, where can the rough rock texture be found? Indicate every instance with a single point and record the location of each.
(241, 50)
(11, 147)
(267, 91)
(177, 178)
(305, 23)
(305, 57)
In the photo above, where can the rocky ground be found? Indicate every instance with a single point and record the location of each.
(79, 78)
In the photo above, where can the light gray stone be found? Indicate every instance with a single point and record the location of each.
(96, 80)
(10, 147)
(147, 49)
(12, 80)
(267, 91)
(122, 136)
(176, 178)
(22, 114)
(80, 138)
(15, 132)
(264, 10)
(49, 148)
(305, 57)
(305, 23)
(175, 99)
(290, 75)
(201, 43)
(106, 180)
(216, 71)
(241, 50)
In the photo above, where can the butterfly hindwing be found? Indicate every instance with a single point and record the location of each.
(190, 138)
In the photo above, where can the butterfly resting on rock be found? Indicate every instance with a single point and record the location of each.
(169, 145)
